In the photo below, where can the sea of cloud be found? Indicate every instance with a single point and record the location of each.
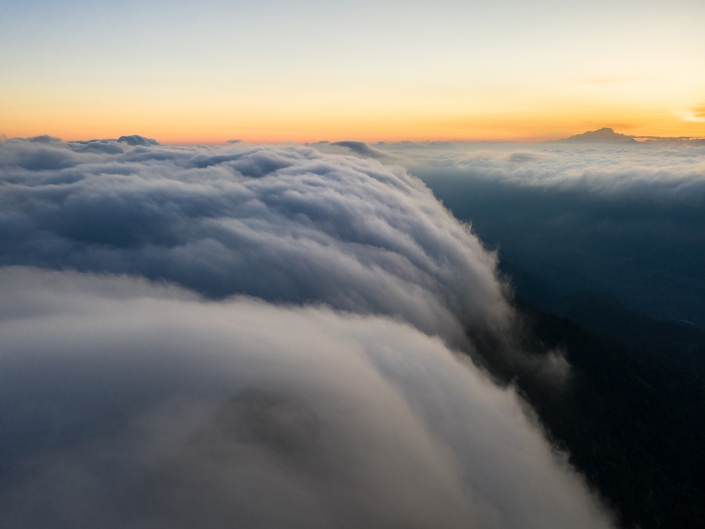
(624, 218)
(253, 336)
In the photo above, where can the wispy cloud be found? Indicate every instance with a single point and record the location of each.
(695, 115)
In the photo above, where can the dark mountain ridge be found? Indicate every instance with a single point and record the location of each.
(631, 415)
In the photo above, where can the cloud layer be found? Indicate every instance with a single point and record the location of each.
(128, 404)
(284, 224)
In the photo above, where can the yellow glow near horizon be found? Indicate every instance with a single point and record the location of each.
(174, 123)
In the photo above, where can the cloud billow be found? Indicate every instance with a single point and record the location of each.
(253, 336)
(128, 404)
(285, 224)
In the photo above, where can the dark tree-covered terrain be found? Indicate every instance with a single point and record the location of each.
(630, 415)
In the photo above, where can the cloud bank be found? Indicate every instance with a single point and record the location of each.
(129, 404)
(284, 224)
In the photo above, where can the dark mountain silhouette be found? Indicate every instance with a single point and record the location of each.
(604, 314)
(528, 286)
(603, 135)
(632, 415)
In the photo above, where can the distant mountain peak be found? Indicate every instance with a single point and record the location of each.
(136, 140)
(603, 135)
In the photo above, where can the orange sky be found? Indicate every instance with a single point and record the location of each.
(174, 123)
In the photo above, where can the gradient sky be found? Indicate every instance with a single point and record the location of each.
(309, 70)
